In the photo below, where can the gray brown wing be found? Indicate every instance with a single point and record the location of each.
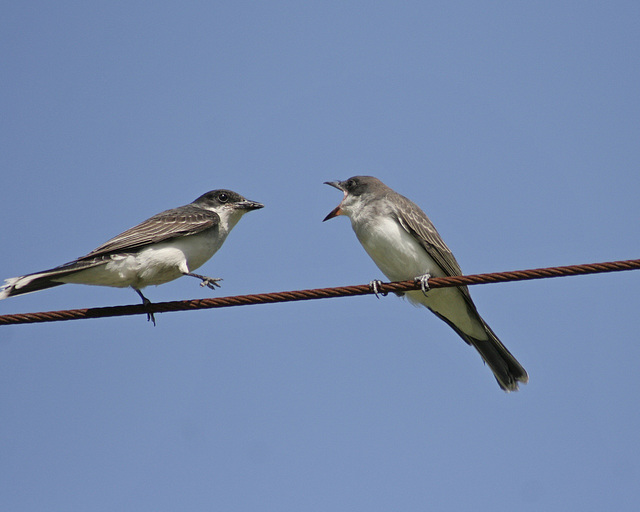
(159, 228)
(416, 222)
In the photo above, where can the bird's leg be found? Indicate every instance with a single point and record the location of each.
(374, 286)
(424, 282)
(146, 302)
(211, 282)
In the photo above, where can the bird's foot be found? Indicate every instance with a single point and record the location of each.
(209, 282)
(147, 302)
(374, 286)
(150, 315)
(424, 282)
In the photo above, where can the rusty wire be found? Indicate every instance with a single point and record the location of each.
(317, 293)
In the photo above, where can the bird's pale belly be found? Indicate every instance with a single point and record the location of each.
(154, 265)
(396, 252)
(400, 257)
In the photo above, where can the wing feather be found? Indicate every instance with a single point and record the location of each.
(416, 222)
(169, 224)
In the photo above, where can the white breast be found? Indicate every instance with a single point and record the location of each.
(401, 257)
(396, 253)
(157, 264)
(165, 262)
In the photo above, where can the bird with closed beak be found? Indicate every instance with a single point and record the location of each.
(164, 247)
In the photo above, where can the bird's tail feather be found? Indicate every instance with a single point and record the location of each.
(505, 367)
(45, 279)
(24, 284)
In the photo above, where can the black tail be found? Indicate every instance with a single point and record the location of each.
(505, 367)
(45, 279)
(10, 289)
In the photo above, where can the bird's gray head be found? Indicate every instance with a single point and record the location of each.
(218, 200)
(357, 189)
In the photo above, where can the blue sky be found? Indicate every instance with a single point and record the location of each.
(514, 125)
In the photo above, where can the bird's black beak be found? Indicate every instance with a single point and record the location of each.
(335, 184)
(337, 210)
(249, 205)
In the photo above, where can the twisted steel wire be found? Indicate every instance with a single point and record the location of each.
(317, 293)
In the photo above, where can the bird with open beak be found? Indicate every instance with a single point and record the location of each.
(404, 244)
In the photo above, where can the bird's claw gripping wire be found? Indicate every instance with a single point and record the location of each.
(423, 280)
(374, 286)
(146, 302)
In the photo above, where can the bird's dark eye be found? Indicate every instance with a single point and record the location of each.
(223, 198)
(350, 184)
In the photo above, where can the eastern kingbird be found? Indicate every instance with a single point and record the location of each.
(164, 247)
(404, 244)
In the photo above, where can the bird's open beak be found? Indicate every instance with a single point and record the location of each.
(334, 213)
(249, 205)
(337, 210)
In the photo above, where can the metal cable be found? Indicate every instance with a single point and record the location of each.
(317, 293)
